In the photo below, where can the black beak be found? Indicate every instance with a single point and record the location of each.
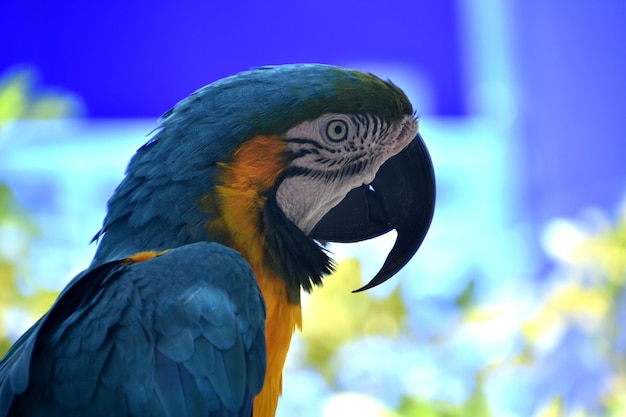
(401, 197)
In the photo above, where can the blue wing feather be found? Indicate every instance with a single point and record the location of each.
(177, 335)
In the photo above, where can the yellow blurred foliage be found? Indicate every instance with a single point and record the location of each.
(19, 99)
(334, 316)
(616, 399)
(554, 409)
(607, 250)
(13, 98)
(17, 233)
(583, 303)
(568, 303)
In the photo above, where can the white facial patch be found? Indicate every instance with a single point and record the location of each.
(334, 154)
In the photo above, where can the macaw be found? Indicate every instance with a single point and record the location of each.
(223, 216)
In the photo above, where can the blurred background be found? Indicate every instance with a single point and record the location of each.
(515, 304)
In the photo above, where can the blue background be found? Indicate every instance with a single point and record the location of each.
(564, 59)
(135, 59)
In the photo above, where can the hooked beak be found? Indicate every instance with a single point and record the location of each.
(401, 197)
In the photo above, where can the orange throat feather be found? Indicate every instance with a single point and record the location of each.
(244, 183)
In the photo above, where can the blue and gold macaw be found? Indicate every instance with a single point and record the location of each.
(189, 304)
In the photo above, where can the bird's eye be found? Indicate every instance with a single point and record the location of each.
(337, 130)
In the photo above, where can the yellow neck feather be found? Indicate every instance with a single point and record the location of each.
(244, 183)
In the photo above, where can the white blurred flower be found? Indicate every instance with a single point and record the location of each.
(351, 404)
(560, 237)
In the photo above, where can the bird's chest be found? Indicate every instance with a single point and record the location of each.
(282, 319)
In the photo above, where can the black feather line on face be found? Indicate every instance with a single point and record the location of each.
(331, 175)
(300, 261)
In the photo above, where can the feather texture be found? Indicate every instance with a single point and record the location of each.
(180, 334)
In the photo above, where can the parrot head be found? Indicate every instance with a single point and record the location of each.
(275, 162)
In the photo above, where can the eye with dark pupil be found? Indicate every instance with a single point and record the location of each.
(337, 130)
